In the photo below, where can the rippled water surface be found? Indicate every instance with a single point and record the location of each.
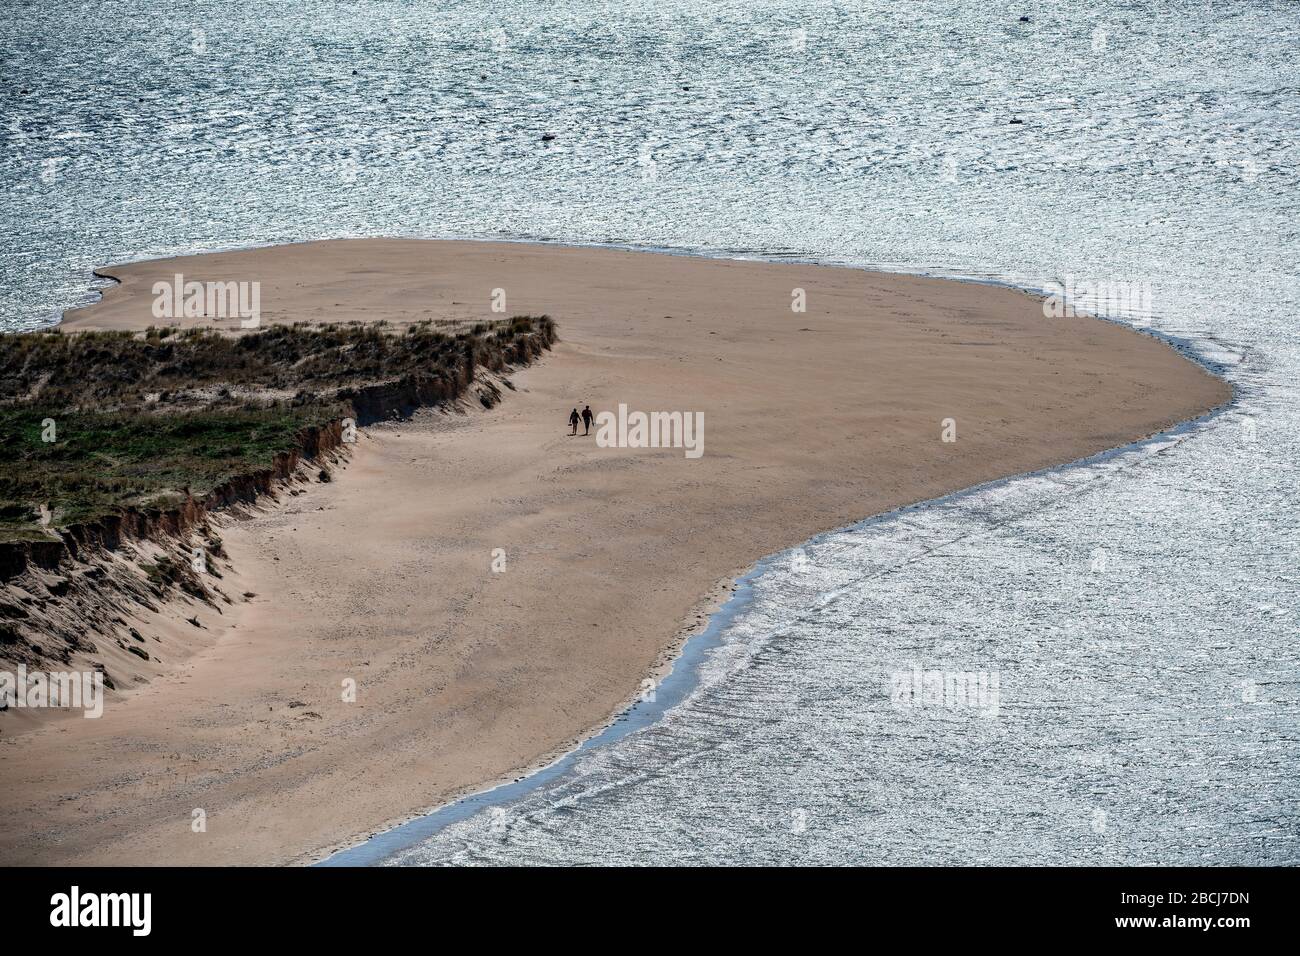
(1137, 613)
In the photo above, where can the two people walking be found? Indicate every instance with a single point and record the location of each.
(586, 418)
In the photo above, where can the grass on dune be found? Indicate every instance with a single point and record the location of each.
(139, 418)
(105, 461)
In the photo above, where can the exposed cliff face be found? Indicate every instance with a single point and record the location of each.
(402, 397)
(109, 533)
(369, 404)
(102, 424)
(116, 594)
(74, 600)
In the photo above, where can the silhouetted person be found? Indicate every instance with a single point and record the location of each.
(586, 420)
(573, 422)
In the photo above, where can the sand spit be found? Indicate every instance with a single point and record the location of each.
(492, 588)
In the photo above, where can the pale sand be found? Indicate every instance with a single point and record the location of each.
(813, 421)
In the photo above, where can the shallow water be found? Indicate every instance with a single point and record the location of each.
(1139, 614)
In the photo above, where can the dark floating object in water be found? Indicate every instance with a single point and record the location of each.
(1017, 121)
(1024, 19)
(547, 137)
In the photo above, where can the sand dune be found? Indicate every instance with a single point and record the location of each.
(384, 576)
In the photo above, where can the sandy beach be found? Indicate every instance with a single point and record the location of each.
(385, 576)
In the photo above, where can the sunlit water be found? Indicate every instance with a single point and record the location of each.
(1138, 614)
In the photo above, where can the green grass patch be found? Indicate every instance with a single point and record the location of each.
(138, 419)
(102, 462)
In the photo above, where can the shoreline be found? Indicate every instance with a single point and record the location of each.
(680, 678)
(722, 603)
(396, 837)
(845, 489)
